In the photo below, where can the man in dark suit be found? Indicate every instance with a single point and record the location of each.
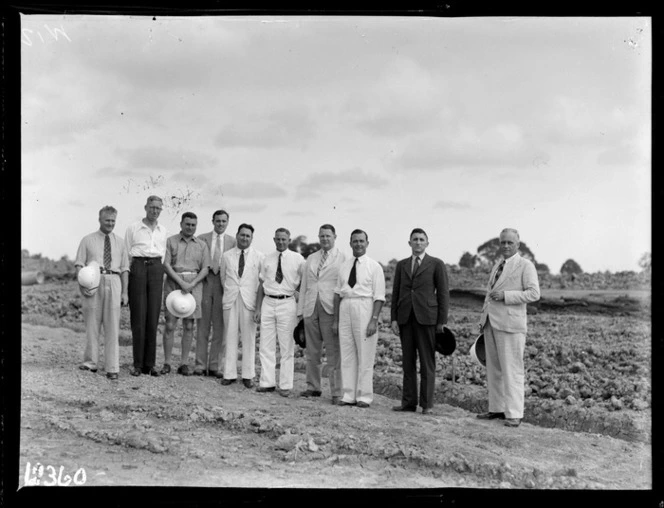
(212, 313)
(420, 303)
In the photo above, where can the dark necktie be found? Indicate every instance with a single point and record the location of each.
(352, 278)
(240, 267)
(280, 275)
(107, 253)
(416, 265)
(498, 272)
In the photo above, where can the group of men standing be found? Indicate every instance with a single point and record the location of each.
(339, 298)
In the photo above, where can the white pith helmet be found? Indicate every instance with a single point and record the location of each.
(477, 351)
(180, 304)
(88, 277)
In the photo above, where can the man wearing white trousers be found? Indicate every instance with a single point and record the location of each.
(316, 307)
(512, 284)
(103, 307)
(276, 311)
(359, 297)
(239, 272)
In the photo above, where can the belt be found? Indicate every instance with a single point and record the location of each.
(147, 261)
(279, 297)
(187, 273)
(104, 271)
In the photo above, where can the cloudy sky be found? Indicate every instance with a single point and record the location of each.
(461, 126)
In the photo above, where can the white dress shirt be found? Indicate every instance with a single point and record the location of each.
(291, 267)
(370, 279)
(143, 242)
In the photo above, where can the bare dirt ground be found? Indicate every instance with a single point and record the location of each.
(191, 431)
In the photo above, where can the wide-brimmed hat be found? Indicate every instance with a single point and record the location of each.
(445, 342)
(88, 278)
(477, 350)
(298, 335)
(180, 304)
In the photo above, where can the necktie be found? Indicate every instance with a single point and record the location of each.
(217, 255)
(280, 275)
(498, 272)
(416, 265)
(107, 253)
(240, 267)
(323, 258)
(352, 278)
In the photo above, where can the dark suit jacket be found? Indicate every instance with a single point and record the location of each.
(427, 294)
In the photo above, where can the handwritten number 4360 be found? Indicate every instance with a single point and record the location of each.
(40, 475)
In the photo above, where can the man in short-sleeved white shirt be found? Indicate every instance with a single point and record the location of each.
(359, 297)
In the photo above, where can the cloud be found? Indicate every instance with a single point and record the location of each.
(252, 190)
(451, 205)
(248, 207)
(284, 127)
(166, 159)
(356, 179)
(76, 203)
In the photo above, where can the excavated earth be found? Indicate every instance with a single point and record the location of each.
(587, 422)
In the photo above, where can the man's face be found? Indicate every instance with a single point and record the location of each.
(188, 227)
(326, 239)
(509, 244)
(107, 222)
(359, 244)
(281, 240)
(220, 222)
(153, 210)
(243, 238)
(418, 243)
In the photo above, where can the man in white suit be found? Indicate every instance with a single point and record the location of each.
(217, 242)
(316, 306)
(513, 284)
(239, 272)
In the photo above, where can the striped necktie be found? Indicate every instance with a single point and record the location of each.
(280, 275)
(217, 255)
(416, 265)
(107, 253)
(498, 272)
(323, 258)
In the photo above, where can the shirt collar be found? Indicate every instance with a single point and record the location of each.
(511, 258)
(421, 256)
(192, 239)
(360, 259)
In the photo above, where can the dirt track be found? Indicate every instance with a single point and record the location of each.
(192, 431)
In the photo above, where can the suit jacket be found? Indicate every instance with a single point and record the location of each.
(427, 294)
(245, 286)
(519, 281)
(229, 243)
(314, 285)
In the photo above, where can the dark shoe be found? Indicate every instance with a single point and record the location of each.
(154, 372)
(310, 393)
(362, 404)
(198, 372)
(226, 382)
(285, 393)
(213, 373)
(263, 389)
(217, 374)
(344, 403)
(135, 371)
(404, 408)
(427, 410)
(85, 367)
(512, 422)
(491, 416)
(112, 375)
(335, 400)
(248, 383)
(184, 370)
(166, 369)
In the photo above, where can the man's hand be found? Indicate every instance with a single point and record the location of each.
(186, 287)
(335, 327)
(395, 328)
(440, 328)
(372, 327)
(497, 295)
(124, 299)
(257, 316)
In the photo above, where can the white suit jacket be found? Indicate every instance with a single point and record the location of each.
(234, 285)
(314, 285)
(519, 281)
